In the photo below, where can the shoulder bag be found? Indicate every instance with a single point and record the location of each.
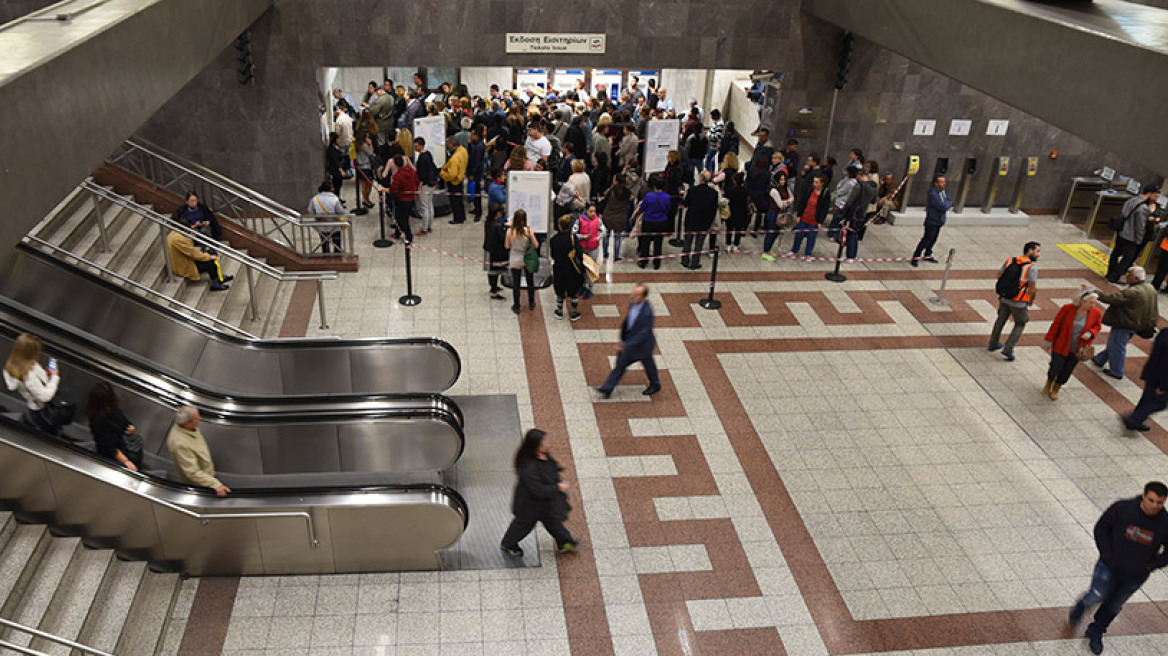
(531, 257)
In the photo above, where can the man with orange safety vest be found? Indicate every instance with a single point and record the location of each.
(1017, 282)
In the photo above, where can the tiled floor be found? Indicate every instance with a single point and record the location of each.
(830, 469)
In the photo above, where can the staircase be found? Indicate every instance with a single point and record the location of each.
(137, 252)
(60, 586)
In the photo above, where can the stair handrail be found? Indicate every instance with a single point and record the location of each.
(211, 177)
(243, 258)
(140, 287)
(17, 626)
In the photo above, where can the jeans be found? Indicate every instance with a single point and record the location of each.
(475, 190)
(1115, 353)
(695, 166)
(851, 244)
(693, 242)
(1020, 314)
(1151, 401)
(516, 276)
(710, 161)
(426, 207)
(771, 225)
(615, 252)
(457, 202)
(401, 215)
(928, 240)
(1110, 591)
(622, 363)
(810, 231)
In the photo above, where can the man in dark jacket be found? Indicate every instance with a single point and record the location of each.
(701, 204)
(856, 213)
(637, 343)
(1137, 221)
(1132, 536)
(475, 168)
(935, 212)
(1133, 309)
(1155, 375)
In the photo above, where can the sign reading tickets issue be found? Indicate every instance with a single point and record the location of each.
(583, 44)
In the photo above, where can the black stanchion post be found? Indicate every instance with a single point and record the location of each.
(677, 239)
(836, 276)
(357, 193)
(410, 299)
(709, 302)
(382, 242)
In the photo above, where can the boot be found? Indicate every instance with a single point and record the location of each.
(1046, 387)
(1054, 390)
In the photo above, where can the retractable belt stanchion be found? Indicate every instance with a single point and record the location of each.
(676, 240)
(836, 276)
(939, 299)
(711, 303)
(410, 299)
(360, 211)
(382, 242)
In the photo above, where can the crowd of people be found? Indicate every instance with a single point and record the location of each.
(593, 145)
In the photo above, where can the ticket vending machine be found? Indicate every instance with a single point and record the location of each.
(968, 174)
(999, 173)
(1024, 175)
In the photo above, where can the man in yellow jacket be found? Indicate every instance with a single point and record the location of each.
(187, 261)
(453, 173)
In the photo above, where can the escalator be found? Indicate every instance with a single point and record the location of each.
(183, 349)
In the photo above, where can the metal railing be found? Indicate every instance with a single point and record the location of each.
(256, 212)
(16, 626)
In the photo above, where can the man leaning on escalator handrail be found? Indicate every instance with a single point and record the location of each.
(190, 452)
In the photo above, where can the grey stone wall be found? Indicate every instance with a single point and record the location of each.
(267, 134)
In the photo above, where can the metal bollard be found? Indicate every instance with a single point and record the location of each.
(320, 302)
(382, 242)
(711, 303)
(410, 299)
(939, 299)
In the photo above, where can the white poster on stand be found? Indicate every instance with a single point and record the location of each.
(433, 130)
(660, 138)
(531, 191)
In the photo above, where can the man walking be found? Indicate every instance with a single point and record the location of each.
(935, 211)
(1155, 375)
(1017, 282)
(1133, 309)
(637, 343)
(1131, 537)
(428, 175)
(1136, 212)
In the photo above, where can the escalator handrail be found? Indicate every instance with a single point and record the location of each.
(259, 344)
(459, 505)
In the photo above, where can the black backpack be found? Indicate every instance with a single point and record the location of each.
(1010, 282)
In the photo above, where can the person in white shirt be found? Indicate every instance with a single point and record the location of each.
(664, 103)
(582, 91)
(538, 147)
(36, 384)
(327, 207)
(344, 128)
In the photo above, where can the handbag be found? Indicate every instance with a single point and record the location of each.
(531, 259)
(591, 268)
(59, 413)
(1146, 333)
(1085, 352)
(637, 220)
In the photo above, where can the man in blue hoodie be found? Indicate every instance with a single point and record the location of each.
(1131, 537)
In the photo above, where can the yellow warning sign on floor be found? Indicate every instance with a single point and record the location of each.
(1095, 259)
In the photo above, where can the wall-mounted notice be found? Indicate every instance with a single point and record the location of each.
(433, 130)
(960, 127)
(660, 138)
(580, 44)
(924, 127)
(997, 128)
(531, 191)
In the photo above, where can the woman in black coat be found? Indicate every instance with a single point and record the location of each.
(567, 267)
(113, 434)
(336, 161)
(495, 247)
(540, 496)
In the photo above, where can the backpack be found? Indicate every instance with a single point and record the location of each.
(1010, 282)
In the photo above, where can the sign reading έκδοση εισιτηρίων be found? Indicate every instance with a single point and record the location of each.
(587, 44)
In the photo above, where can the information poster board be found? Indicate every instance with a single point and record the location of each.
(531, 191)
(660, 138)
(433, 130)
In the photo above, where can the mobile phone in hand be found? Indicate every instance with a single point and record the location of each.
(52, 363)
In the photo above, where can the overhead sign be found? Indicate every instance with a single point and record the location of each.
(959, 127)
(580, 44)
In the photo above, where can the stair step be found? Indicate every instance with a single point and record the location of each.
(91, 247)
(107, 616)
(149, 612)
(144, 236)
(46, 226)
(123, 231)
(7, 527)
(18, 562)
(29, 609)
(73, 598)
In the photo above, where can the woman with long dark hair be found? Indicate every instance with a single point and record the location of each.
(113, 434)
(540, 496)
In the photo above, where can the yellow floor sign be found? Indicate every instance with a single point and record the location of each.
(1095, 259)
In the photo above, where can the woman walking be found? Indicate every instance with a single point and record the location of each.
(519, 237)
(540, 496)
(1076, 325)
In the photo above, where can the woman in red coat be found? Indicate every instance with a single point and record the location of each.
(1075, 326)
